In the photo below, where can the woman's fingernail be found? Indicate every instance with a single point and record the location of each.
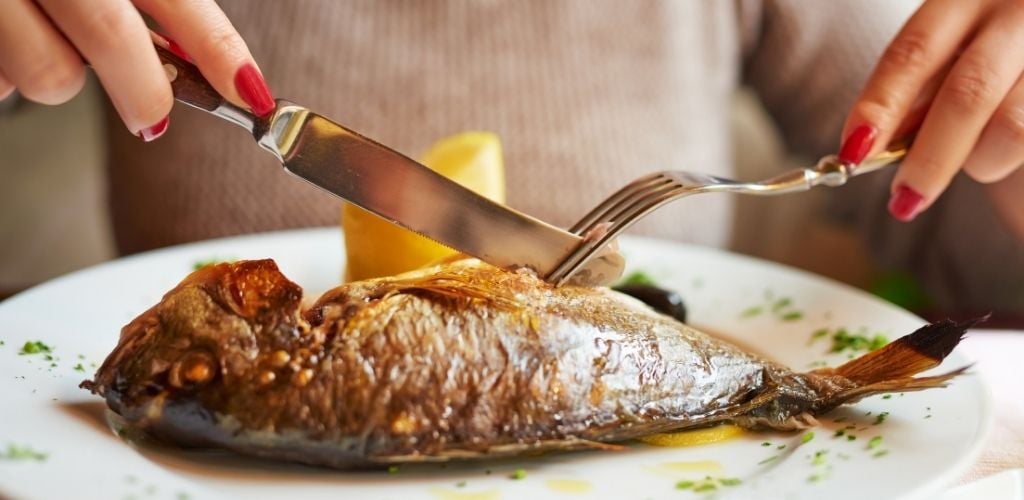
(858, 144)
(905, 203)
(253, 90)
(178, 51)
(154, 132)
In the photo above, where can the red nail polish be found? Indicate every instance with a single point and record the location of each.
(905, 203)
(178, 51)
(858, 144)
(154, 132)
(253, 90)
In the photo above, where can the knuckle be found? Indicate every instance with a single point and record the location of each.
(109, 25)
(972, 86)
(51, 81)
(223, 39)
(1010, 119)
(908, 51)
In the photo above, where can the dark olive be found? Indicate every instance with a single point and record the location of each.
(661, 300)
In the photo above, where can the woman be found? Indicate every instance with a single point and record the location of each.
(585, 95)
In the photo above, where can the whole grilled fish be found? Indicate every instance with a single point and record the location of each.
(461, 360)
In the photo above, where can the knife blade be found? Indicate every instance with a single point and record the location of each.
(391, 185)
(404, 192)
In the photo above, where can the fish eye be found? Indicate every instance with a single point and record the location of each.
(194, 369)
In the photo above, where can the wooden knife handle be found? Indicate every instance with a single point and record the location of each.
(187, 82)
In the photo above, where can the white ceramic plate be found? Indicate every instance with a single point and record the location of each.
(929, 438)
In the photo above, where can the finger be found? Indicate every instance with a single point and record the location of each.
(36, 59)
(1000, 149)
(112, 36)
(6, 87)
(206, 34)
(918, 52)
(979, 81)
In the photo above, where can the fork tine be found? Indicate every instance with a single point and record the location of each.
(627, 218)
(599, 212)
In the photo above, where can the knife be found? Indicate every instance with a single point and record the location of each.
(392, 186)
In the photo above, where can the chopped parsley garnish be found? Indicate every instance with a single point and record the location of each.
(392, 469)
(881, 417)
(519, 474)
(768, 460)
(708, 484)
(839, 433)
(850, 437)
(35, 347)
(792, 316)
(780, 308)
(781, 304)
(875, 442)
(766, 443)
(880, 453)
(814, 478)
(15, 452)
(807, 437)
(79, 367)
(199, 264)
(637, 278)
(819, 333)
(780, 447)
(819, 457)
(460, 484)
(887, 396)
(752, 311)
(843, 340)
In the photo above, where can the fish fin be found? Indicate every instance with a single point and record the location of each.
(906, 384)
(896, 363)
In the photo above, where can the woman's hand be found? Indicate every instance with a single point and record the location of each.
(957, 65)
(43, 44)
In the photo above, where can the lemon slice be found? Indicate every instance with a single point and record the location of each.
(377, 248)
(693, 437)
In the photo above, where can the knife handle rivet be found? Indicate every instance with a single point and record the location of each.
(172, 72)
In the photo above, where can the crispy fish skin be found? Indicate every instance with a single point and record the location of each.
(458, 361)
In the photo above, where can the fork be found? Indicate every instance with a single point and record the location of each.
(650, 192)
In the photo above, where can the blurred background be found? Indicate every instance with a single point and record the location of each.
(56, 219)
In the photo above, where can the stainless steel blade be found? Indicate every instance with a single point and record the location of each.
(385, 182)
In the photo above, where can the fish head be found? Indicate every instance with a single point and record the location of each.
(211, 334)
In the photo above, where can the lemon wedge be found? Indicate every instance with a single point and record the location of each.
(694, 437)
(377, 248)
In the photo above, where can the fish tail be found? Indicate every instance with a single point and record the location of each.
(908, 355)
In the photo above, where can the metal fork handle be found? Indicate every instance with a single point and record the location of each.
(829, 171)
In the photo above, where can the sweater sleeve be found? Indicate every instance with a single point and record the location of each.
(807, 60)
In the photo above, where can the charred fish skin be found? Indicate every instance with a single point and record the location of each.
(458, 361)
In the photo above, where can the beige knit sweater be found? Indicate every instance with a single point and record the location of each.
(585, 94)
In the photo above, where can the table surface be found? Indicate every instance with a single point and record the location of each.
(999, 358)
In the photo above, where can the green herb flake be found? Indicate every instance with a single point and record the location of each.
(839, 433)
(820, 457)
(637, 278)
(766, 443)
(880, 453)
(843, 340)
(874, 442)
(706, 486)
(850, 437)
(35, 347)
(814, 478)
(928, 416)
(685, 485)
(460, 484)
(792, 316)
(79, 368)
(15, 452)
(392, 469)
(487, 471)
(817, 335)
(752, 311)
(780, 447)
(807, 437)
(768, 460)
(887, 396)
(519, 474)
(730, 481)
(881, 418)
(781, 304)
(181, 495)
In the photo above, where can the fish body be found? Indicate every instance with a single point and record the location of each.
(462, 360)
